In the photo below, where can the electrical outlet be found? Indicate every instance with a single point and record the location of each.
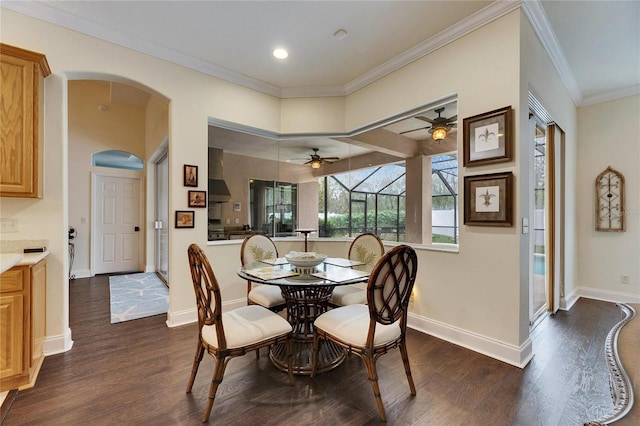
(624, 279)
(9, 225)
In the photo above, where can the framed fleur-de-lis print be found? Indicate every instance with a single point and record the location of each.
(488, 137)
(610, 201)
(488, 199)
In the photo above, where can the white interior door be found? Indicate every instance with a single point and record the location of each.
(116, 219)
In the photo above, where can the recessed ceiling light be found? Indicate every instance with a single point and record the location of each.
(280, 53)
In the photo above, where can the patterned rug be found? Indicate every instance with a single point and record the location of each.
(137, 296)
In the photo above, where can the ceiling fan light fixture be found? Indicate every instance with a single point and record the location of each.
(439, 133)
(315, 164)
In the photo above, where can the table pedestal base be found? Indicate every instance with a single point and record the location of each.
(304, 305)
(329, 357)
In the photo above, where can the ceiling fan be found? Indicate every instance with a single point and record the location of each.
(439, 125)
(316, 160)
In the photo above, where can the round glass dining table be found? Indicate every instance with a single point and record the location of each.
(307, 292)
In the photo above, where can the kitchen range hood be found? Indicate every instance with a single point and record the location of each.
(218, 189)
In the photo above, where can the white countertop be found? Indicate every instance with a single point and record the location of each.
(9, 260)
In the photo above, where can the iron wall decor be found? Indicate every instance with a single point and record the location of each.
(185, 219)
(197, 198)
(488, 199)
(610, 201)
(488, 137)
(190, 175)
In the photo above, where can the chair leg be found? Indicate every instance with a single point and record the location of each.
(370, 364)
(218, 373)
(316, 350)
(258, 353)
(407, 369)
(196, 364)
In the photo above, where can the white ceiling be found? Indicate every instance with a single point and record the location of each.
(595, 45)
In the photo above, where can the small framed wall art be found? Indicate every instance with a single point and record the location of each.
(197, 198)
(488, 199)
(185, 219)
(190, 175)
(488, 137)
(610, 201)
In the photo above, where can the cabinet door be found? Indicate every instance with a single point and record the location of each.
(17, 148)
(22, 75)
(11, 333)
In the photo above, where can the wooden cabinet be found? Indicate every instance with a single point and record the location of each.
(22, 75)
(22, 325)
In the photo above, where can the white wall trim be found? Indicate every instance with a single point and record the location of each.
(567, 302)
(608, 295)
(81, 273)
(58, 344)
(176, 319)
(514, 355)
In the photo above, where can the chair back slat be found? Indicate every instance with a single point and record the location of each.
(390, 284)
(207, 291)
(257, 247)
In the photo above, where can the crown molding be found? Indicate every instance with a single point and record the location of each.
(532, 9)
(482, 17)
(611, 95)
(538, 18)
(46, 13)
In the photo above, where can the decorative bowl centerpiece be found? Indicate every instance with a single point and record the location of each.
(305, 259)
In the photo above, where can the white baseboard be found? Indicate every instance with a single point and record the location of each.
(57, 344)
(607, 295)
(514, 355)
(81, 273)
(176, 319)
(567, 302)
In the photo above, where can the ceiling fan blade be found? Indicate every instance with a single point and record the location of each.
(415, 130)
(331, 159)
(427, 119)
(452, 119)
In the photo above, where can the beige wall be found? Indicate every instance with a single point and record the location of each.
(609, 135)
(476, 296)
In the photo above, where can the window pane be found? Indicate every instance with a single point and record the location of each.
(444, 187)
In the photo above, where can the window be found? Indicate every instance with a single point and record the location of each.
(117, 160)
(274, 207)
(368, 200)
(444, 199)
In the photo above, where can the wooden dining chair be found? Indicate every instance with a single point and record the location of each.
(366, 248)
(231, 334)
(369, 331)
(257, 247)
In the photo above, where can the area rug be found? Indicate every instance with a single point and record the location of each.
(137, 296)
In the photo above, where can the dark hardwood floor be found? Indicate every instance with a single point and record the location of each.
(135, 373)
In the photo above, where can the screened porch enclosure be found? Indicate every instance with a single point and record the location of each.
(369, 200)
(373, 200)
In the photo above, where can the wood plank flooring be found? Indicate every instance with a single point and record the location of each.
(135, 373)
